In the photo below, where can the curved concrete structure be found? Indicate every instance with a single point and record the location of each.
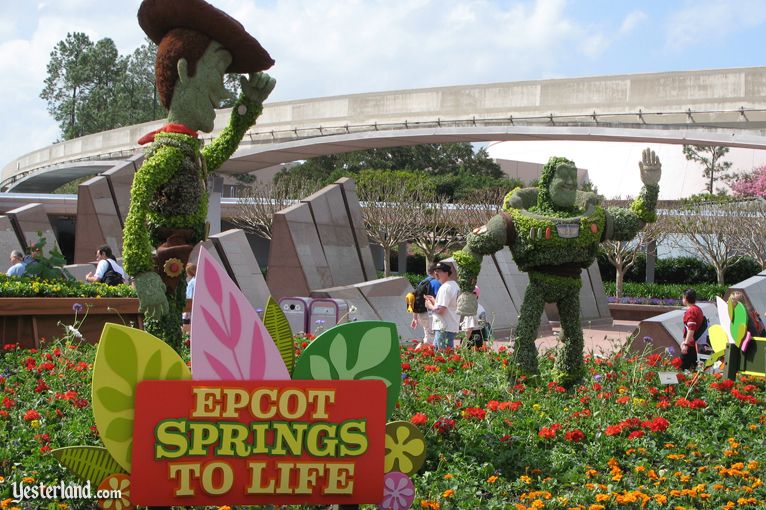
(724, 105)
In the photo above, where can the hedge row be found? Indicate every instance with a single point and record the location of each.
(683, 270)
(32, 287)
(705, 291)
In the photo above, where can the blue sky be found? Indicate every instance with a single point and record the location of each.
(330, 47)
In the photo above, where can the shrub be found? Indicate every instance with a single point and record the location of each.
(705, 291)
(686, 270)
(742, 269)
(34, 287)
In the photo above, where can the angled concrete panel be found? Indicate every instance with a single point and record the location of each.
(235, 249)
(354, 297)
(754, 289)
(9, 241)
(666, 330)
(79, 271)
(348, 187)
(120, 180)
(30, 219)
(98, 222)
(387, 297)
(336, 235)
(597, 284)
(495, 297)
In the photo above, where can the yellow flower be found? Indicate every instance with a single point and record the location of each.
(173, 267)
(597, 507)
(34, 424)
(448, 476)
(660, 498)
(536, 407)
(525, 479)
(448, 493)
(224, 507)
(492, 479)
(602, 498)
(4, 503)
(28, 479)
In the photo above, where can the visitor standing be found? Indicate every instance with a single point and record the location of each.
(429, 286)
(473, 325)
(17, 264)
(446, 321)
(695, 325)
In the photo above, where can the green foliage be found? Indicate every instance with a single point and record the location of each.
(469, 266)
(34, 287)
(705, 291)
(686, 270)
(710, 159)
(545, 204)
(88, 463)
(90, 87)
(279, 328)
(453, 170)
(46, 267)
(645, 205)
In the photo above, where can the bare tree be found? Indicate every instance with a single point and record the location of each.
(258, 203)
(438, 231)
(390, 212)
(750, 237)
(624, 254)
(707, 230)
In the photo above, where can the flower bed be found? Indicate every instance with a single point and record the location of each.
(618, 440)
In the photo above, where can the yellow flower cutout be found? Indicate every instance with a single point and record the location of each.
(173, 267)
(118, 485)
(405, 448)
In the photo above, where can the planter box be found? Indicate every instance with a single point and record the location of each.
(27, 321)
(628, 312)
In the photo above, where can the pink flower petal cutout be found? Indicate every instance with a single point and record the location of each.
(228, 339)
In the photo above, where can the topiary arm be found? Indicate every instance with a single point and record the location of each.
(520, 198)
(246, 109)
(137, 245)
(484, 240)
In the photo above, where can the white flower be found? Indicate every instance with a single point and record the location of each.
(352, 309)
(72, 331)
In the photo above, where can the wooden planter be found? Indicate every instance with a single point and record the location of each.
(26, 321)
(628, 312)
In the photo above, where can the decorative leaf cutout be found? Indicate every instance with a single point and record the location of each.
(355, 351)
(114, 400)
(739, 324)
(724, 319)
(120, 355)
(221, 371)
(279, 328)
(88, 463)
(153, 367)
(229, 341)
(718, 341)
(121, 351)
(120, 430)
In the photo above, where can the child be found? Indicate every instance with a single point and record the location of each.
(473, 325)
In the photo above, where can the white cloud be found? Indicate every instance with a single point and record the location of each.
(710, 20)
(631, 21)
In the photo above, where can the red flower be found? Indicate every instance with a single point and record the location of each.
(406, 366)
(513, 406)
(8, 402)
(653, 359)
(474, 413)
(31, 415)
(575, 436)
(493, 405)
(41, 386)
(636, 434)
(45, 449)
(723, 386)
(549, 432)
(3, 414)
(623, 400)
(444, 425)
(419, 419)
(676, 363)
(659, 424)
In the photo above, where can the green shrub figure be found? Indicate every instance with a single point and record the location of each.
(197, 45)
(553, 232)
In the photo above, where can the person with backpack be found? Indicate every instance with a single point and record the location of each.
(695, 331)
(429, 286)
(108, 271)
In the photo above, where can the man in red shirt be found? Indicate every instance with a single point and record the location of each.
(695, 324)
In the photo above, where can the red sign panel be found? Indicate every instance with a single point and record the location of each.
(258, 442)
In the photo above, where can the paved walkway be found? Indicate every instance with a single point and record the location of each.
(598, 339)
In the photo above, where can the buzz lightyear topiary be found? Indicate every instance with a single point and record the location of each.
(197, 45)
(553, 232)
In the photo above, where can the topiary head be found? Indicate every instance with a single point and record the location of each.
(557, 189)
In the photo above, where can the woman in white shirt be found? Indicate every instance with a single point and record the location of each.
(107, 263)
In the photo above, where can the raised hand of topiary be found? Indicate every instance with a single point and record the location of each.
(151, 295)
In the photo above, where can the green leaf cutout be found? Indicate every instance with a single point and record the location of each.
(121, 351)
(88, 463)
(114, 400)
(739, 323)
(355, 351)
(279, 328)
